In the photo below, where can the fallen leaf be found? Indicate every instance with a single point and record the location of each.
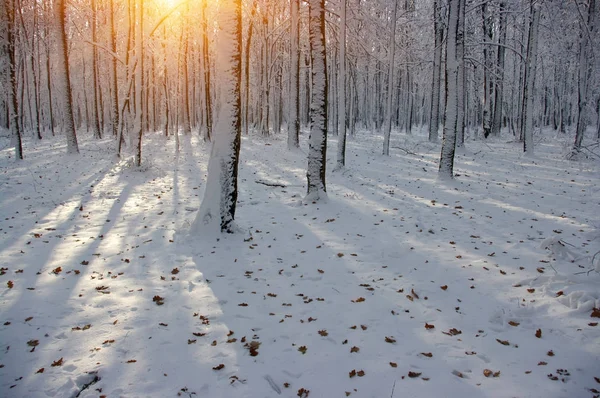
(538, 333)
(303, 349)
(40, 370)
(531, 290)
(219, 367)
(359, 300)
(513, 323)
(550, 353)
(360, 373)
(445, 287)
(132, 361)
(427, 354)
(415, 295)
(58, 362)
(352, 373)
(412, 374)
(340, 255)
(503, 342)
(487, 372)
(323, 332)
(393, 364)
(10, 284)
(57, 270)
(542, 363)
(158, 300)
(389, 340)
(354, 349)
(175, 271)
(429, 326)
(595, 313)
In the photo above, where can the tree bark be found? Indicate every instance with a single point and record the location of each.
(217, 211)
(65, 79)
(387, 129)
(317, 146)
(294, 121)
(527, 124)
(341, 153)
(438, 31)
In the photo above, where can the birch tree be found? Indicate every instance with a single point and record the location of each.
(217, 211)
(317, 142)
(438, 32)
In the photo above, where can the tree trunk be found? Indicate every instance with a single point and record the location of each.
(438, 31)
(114, 106)
(527, 124)
(461, 79)
(585, 72)
(341, 153)
(455, 31)
(387, 129)
(13, 105)
(497, 119)
(217, 211)
(206, 68)
(317, 149)
(139, 82)
(63, 73)
(294, 121)
(488, 81)
(95, 116)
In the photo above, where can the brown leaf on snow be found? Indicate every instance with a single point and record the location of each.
(593, 324)
(531, 290)
(513, 323)
(363, 327)
(354, 349)
(503, 342)
(445, 287)
(33, 343)
(175, 271)
(453, 332)
(429, 326)
(412, 374)
(10, 284)
(393, 364)
(58, 362)
(390, 340)
(595, 313)
(560, 293)
(219, 367)
(415, 295)
(132, 361)
(427, 354)
(550, 353)
(542, 363)
(360, 373)
(303, 349)
(359, 300)
(57, 270)
(323, 332)
(538, 333)
(487, 372)
(340, 255)
(352, 373)
(158, 300)
(40, 370)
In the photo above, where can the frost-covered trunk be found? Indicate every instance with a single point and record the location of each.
(139, 82)
(461, 79)
(497, 119)
(585, 72)
(387, 129)
(294, 118)
(438, 31)
(317, 142)
(446, 168)
(206, 68)
(488, 80)
(65, 80)
(527, 115)
(114, 105)
(217, 211)
(341, 155)
(95, 113)
(8, 14)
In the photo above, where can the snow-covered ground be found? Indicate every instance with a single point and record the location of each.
(399, 286)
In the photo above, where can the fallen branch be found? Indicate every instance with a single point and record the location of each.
(270, 184)
(405, 150)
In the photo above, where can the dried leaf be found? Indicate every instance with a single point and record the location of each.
(538, 333)
(390, 340)
(513, 323)
(354, 349)
(132, 361)
(352, 373)
(487, 372)
(359, 300)
(10, 284)
(58, 362)
(393, 364)
(415, 295)
(57, 270)
(595, 313)
(412, 374)
(303, 349)
(531, 290)
(550, 353)
(219, 367)
(429, 326)
(158, 300)
(427, 354)
(175, 271)
(340, 255)
(360, 373)
(503, 342)
(323, 332)
(40, 370)
(445, 287)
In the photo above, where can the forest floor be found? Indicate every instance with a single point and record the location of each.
(400, 285)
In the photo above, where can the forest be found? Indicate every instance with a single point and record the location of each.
(259, 198)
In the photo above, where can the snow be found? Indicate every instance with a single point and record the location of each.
(511, 239)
